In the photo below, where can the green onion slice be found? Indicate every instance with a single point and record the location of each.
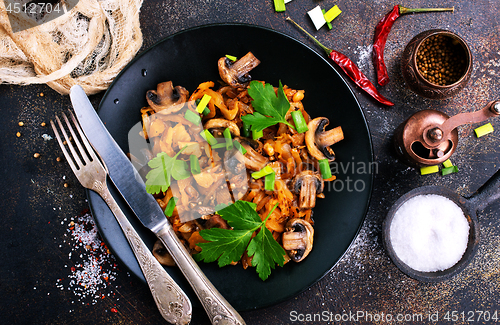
(269, 181)
(238, 146)
(263, 172)
(229, 140)
(169, 210)
(447, 163)
(429, 170)
(195, 165)
(449, 170)
(257, 134)
(205, 134)
(279, 5)
(192, 117)
(206, 111)
(483, 130)
(231, 57)
(324, 168)
(327, 22)
(203, 103)
(299, 121)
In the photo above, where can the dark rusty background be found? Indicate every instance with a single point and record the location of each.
(36, 207)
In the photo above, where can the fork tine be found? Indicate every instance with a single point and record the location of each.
(76, 158)
(84, 139)
(83, 154)
(63, 147)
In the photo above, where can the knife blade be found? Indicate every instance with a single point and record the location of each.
(130, 185)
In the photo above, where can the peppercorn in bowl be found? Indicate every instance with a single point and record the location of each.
(436, 64)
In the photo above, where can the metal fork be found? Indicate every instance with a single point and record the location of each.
(171, 301)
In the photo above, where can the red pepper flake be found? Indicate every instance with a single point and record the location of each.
(73, 269)
(114, 310)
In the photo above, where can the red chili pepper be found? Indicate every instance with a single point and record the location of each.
(350, 69)
(382, 30)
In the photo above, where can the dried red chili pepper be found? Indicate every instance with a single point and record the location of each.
(350, 69)
(382, 30)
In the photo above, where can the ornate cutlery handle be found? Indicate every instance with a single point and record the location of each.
(171, 301)
(218, 309)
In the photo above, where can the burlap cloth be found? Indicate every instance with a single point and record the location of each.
(88, 46)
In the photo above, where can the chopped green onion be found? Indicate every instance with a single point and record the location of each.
(218, 146)
(429, 170)
(332, 13)
(483, 130)
(232, 58)
(327, 22)
(449, 170)
(263, 172)
(169, 210)
(279, 5)
(269, 181)
(447, 163)
(203, 103)
(205, 134)
(195, 165)
(257, 134)
(229, 140)
(245, 130)
(192, 117)
(239, 147)
(317, 17)
(324, 168)
(206, 111)
(299, 121)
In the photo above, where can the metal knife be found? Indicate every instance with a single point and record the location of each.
(132, 188)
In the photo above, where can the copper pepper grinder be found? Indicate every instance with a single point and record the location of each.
(430, 137)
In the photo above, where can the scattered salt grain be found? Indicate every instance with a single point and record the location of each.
(429, 233)
(93, 267)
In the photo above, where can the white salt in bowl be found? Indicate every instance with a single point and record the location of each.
(431, 233)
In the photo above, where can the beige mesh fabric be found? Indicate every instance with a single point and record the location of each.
(88, 46)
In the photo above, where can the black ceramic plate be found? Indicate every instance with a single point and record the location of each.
(189, 58)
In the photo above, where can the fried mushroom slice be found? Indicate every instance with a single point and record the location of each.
(298, 239)
(308, 185)
(236, 74)
(167, 97)
(318, 141)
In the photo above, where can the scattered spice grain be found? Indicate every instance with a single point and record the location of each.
(43, 124)
(36, 155)
(18, 134)
(21, 123)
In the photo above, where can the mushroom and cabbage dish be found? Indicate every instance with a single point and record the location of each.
(237, 142)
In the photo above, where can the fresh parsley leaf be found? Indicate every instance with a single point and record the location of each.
(227, 245)
(163, 167)
(266, 253)
(269, 108)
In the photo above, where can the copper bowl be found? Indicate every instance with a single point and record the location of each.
(418, 83)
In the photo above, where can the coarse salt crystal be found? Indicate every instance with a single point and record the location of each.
(429, 233)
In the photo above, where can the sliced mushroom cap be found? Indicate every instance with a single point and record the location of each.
(253, 160)
(162, 254)
(167, 97)
(318, 140)
(298, 239)
(222, 124)
(308, 185)
(236, 74)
